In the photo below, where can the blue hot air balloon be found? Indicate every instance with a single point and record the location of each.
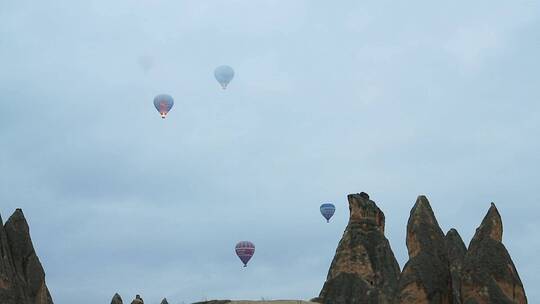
(224, 74)
(327, 210)
(245, 250)
(163, 104)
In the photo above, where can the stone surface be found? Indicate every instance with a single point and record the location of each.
(137, 300)
(117, 299)
(426, 276)
(456, 254)
(22, 279)
(10, 290)
(489, 275)
(364, 269)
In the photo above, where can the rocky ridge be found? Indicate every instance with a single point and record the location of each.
(440, 269)
(488, 274)
(364, 269)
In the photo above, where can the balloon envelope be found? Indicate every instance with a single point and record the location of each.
(224, 74)
(327, 210)
(245, 250)
(163, 104)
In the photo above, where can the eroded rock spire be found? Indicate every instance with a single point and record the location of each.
(364, 269)
(426, 276)
(22, 279)
(489, 275)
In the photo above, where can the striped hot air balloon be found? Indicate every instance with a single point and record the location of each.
(245, 250)
(327, 210)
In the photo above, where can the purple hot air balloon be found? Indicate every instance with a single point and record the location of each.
(163, 104)
(245, 250)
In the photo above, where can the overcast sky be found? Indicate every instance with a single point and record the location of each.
(394, 98)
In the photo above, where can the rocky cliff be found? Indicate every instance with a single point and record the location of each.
(440, 269)
(489, 275)
(426, 276)
(22, 279)
(364, 269)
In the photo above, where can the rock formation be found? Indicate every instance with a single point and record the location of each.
(456, 254)
(117, 299)
(364, 269)
(489, 275)
(426, 276)
(137, 300)
(440, 270)
(22, 279)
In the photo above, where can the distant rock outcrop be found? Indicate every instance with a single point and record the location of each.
(426, 276)
(489, 275)
(117, 299)
(456, 254)
(364, 269)
(137, 300)
(22, 279)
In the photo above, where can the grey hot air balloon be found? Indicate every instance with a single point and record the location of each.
(224, 74)
(163, 104)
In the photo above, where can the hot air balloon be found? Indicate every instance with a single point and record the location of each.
(327, 210)
(224, 74)
(245, 250)
(163, 104)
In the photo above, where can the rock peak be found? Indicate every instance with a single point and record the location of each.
(426, 276)
(489, 274)
(164, 301)
(17, 215)
(117, 299)
(361, 195)
(456, 254)
(22, 279)
(422, 227)
(137, 300)
(454, 235)
(364, 269)
(491, 225)
(365, 212)
(422, 205)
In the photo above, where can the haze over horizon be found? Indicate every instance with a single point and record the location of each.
(394, 99)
